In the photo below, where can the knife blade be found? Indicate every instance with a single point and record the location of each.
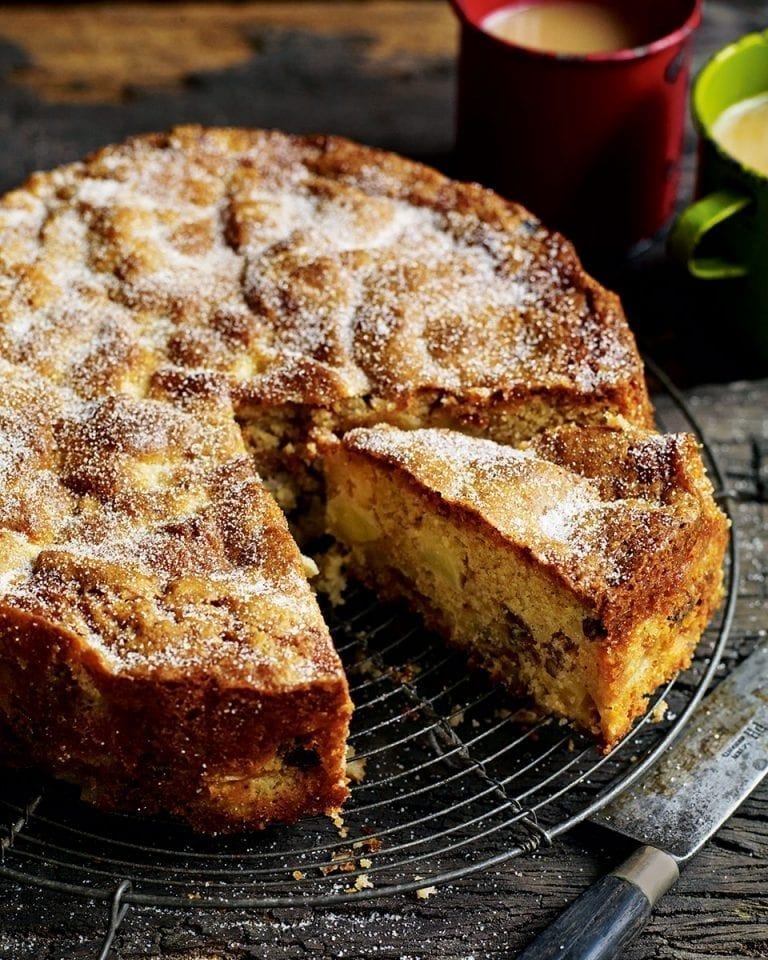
(672, 812)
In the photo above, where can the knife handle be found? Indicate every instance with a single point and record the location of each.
(610, 913)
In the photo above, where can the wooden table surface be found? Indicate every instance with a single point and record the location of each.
(382, 71)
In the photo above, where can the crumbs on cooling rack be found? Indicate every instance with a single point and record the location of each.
(424, 893)
(297, 875)
(371, 844)
(456, 719)
(659, 711)
(332, 580)
(361, 883)
(338, 821)
(406, 673)
(343, 860)
(355, 768)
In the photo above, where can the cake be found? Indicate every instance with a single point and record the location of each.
(159, 642)
(188, 322)
(579, 571)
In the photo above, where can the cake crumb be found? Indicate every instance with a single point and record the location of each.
(340, 860)
(407, 673)
(338, 822)
(361, 883)
(355, 768)
(310, 567)
(371, 844)
(365, 862)
(297, 875)
(424, 893)
(659, 711)
(331, 579)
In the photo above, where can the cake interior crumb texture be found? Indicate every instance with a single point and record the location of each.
(580, 571)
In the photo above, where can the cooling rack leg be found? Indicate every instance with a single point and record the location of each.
(117, 914)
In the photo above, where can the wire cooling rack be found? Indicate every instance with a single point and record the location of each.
(457, 778)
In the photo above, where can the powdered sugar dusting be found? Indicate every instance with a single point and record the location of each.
(249, 253)
(565, 519)
(145, 531)
(148, 291)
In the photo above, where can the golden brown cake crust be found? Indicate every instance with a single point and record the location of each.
(307, 270)
(611, 513)
(169, 291)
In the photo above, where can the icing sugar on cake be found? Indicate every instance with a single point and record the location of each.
(151, 535)
(568, 521)
(156, 608)
(247, 252)
(579, 571)
(182, 313)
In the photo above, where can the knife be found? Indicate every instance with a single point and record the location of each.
(672, 812)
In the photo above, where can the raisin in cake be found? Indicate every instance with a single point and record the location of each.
(159, 642)
(581, 570)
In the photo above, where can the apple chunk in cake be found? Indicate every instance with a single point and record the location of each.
(580, 571)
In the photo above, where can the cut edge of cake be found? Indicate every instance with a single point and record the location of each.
(580, 571)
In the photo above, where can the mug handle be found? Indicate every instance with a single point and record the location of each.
(694, 223)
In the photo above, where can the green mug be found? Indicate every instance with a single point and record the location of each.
(723, 236)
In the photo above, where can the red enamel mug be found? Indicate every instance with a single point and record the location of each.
(590, 143)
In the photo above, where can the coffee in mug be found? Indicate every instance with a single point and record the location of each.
(589, 141)
(568, 27)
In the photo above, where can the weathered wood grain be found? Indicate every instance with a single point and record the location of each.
(74, 77)
(86, 53)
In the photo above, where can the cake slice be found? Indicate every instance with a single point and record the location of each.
(580, 571)
(159, 643)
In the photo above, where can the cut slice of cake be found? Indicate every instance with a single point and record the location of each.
(159, 643)
(580, 571)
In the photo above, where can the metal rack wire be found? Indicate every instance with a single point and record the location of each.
(457, 779)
